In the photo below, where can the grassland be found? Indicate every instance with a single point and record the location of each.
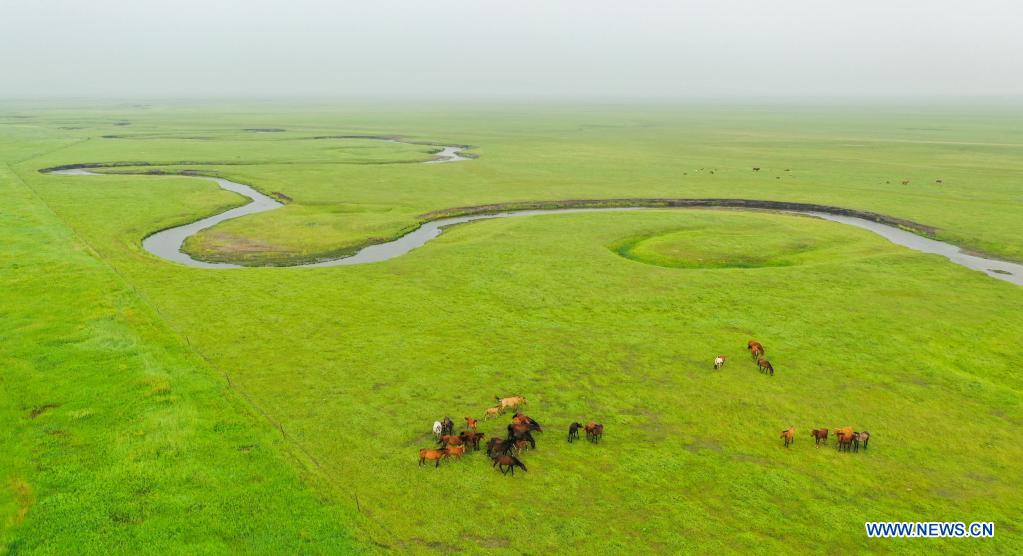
(611, 316)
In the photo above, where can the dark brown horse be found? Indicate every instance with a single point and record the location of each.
(819, 435)
(432, 455)
(521, 432)
(472, 439)
(765, 366)
(573, 431)
(756, 349)
(447, 426)
(499, 446)
(506, 463)
(594, 432)
(789, 435)
(522, 419)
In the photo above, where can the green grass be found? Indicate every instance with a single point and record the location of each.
(355, 363)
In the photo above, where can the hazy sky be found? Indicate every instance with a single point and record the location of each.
(669, 48)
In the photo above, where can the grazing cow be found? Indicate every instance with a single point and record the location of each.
(789, 435)
(438, 429)
(447, 426)
(450, 440)
(493, 412)
(472, 438)
(719, 361)
(471, 423)
(756, 349)
(456, 451)
(819, 435)
(432, 455)
(573, 431)
(507, 461)
(510, 402)
(765, 366)
(594, 432)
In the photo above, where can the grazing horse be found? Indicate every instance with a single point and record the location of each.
(756, 168)
(498, 446)
(573, 431)
(450, 440)
(765, 366)
(471, 423)
(819, 435)
(456, 451)
(492, 412)
(756, 349)
(594, 432)
(447, 426)
(845, 439)
(789, 435)
(905, 182)
(510, 402)
(719, 361)
(432, 455)
(472, 438)
(864, 439)
(507, 461)
(438, 429)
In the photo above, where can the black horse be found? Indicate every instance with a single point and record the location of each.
(447, 426)
(573, 431)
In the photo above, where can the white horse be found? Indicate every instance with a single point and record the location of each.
(719, 361)
(438, 429)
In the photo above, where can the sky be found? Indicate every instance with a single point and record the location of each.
(512, 48)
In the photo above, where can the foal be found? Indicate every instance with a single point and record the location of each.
(819, 435)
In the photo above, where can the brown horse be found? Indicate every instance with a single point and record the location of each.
(456, 451)
(450, 440)
(756, 349)
(471, 423)
(819, 435)
(845, 439)
(472, 439)
(789, 435)
(765, 366)
(504, 461)
(526, 421)
(594, 432)
(432, 455)
(511, 401)
(492, 412)
(520, 446)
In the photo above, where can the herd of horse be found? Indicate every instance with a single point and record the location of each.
(503, 452)
(756, 350)
(848, 439)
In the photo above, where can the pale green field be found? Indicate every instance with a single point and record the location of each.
(613, 317)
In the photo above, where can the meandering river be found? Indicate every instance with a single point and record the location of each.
(167, 243)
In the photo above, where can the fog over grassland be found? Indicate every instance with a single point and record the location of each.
(559, 48)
